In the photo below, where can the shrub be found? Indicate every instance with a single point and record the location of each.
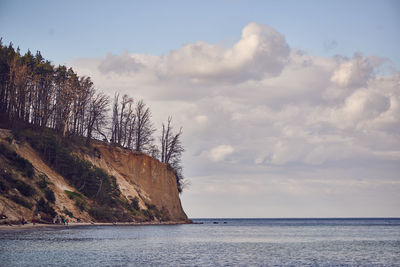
(25, 188)
(6, 151)
(147, 213)
(7, 176)
(135, 203)
(44, 206)
(24, 166)
(3, 187)
(49, 194)
(67, 212)
(16, 160)
(72, 195)
(21, 201)
(42, 184)
(80, 203)
(93, 182)
(151, 206)
(101, 213)
(152, 211)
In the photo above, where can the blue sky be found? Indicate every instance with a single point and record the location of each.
(285, 106)
(64, 30)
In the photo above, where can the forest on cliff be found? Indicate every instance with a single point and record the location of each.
(35, 93)
(60, 115)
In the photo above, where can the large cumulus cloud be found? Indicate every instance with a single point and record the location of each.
(260, 114)
(260, 52)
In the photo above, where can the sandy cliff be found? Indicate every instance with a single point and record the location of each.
(137, 175)
(142, 176)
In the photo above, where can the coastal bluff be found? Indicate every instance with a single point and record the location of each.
(139, 175)
(137, 188)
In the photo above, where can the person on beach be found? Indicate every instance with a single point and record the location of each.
(33, 221)
(22, 220)
(67, 220)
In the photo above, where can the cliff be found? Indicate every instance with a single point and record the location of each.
(139, 175)
(127, 186)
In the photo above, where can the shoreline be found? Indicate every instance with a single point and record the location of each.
(30, 226)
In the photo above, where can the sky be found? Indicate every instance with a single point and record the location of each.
(288, 108)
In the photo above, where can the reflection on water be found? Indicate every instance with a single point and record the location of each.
(212, 243)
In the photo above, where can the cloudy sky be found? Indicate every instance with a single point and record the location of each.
(289, 108)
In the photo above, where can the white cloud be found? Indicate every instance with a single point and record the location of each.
(355, 72)
(260, 52)
(123, 63)
(277, 110)
(201, 119)
(220, 152)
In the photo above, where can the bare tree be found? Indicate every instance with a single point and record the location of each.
(171, 146)
(123, 117)
(126, 115)
(171, 151)
(143, 127)
(115, 118)
(84, 94)
(97, 114)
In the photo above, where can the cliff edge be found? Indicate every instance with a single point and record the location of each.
(139, 175)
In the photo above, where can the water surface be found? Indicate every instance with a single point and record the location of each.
(222, 242)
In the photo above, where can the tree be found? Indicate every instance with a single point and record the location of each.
(123, 121)
(171, 150)
(84, 99)
(143, 127)
(115, 118)
(171, 146)
(97, 114)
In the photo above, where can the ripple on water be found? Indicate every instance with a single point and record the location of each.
(239, 243)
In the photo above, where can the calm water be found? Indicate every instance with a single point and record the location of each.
(238, 242)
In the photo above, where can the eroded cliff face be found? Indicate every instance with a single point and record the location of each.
(57, 183)
(139, 175)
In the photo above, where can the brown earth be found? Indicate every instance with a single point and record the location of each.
(142, 176)
(138, 175)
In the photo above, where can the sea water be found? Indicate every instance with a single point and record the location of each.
(211, 242)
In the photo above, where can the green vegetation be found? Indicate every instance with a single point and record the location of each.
(21, 201)
(49, 194)
(37, 94)
(25, 188)
(92, 181)
(67, 212)
(152, 211)
(79, 200)
(81, 204)
(22, 165)
(108, 214)
(44, 207)
(101, 213)
(135, 203)
(3, 187)
(42, 184)
(8, 180)
(148, 214)
(72, 195)
(7, 176)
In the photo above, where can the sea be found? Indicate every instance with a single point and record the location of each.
(210, 242)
